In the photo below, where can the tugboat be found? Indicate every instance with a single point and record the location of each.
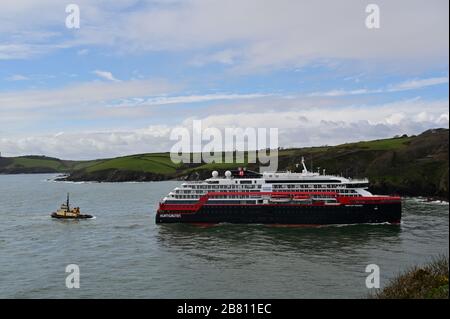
(66, 213)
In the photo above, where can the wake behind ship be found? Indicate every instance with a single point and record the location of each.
(287, 198)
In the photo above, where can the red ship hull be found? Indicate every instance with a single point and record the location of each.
(344, 210)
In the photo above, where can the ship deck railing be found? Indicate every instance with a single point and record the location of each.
(342, 199)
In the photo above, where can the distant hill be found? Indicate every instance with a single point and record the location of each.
(33, 164)
(414, 165)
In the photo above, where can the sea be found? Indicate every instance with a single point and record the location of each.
(122, 253)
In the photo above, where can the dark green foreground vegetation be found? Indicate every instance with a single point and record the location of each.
(426, 282)
(406, 165)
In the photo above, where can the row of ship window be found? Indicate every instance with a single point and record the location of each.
(191, 195)
(285, 189)
(308, 186)
(221, 186)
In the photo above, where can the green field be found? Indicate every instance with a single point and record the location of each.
(382, 145)
(408, 165)
(154, 163)
(29, 162)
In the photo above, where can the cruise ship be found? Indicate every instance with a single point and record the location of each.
(279, 198)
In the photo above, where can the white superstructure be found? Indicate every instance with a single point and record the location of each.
(244, 181)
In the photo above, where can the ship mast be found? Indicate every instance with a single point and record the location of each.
(68, 208)
(305, 170)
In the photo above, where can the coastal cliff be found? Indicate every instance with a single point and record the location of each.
(429, 281)
(404, 165)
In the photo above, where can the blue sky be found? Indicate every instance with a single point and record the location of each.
(134, 70)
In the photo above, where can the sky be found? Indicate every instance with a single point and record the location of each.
(136, 69)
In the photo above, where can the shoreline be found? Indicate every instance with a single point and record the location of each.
(61, 179)
(406, 165)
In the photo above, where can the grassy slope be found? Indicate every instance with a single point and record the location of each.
(161, 163)
(407, 165)
(32, 162)
(40, 164)
(155, 163)
(426, 282)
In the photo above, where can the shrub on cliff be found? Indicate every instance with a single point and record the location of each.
(426, 282)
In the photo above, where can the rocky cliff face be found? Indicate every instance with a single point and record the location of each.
(415, 166)
(412, 166)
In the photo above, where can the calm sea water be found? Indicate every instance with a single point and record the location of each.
(123, 254)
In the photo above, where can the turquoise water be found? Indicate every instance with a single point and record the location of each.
(123, 254)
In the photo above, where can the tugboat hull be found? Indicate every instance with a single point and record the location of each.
(81, 216)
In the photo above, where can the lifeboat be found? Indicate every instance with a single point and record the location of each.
(280, 198)
(302, 199)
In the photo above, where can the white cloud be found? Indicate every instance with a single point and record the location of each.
(283, 33)
(388, 114)
(106, 75)
(404, 86)
(341, 92)
(419, 83)
(89, 145)
(10, 51)
(443, 119)
(227, 57)
(82, 94)
(185, 99)
(83, 52)
(422, 117)
(395, 118)
(298, 126)
(246, 34)
(17, 77)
